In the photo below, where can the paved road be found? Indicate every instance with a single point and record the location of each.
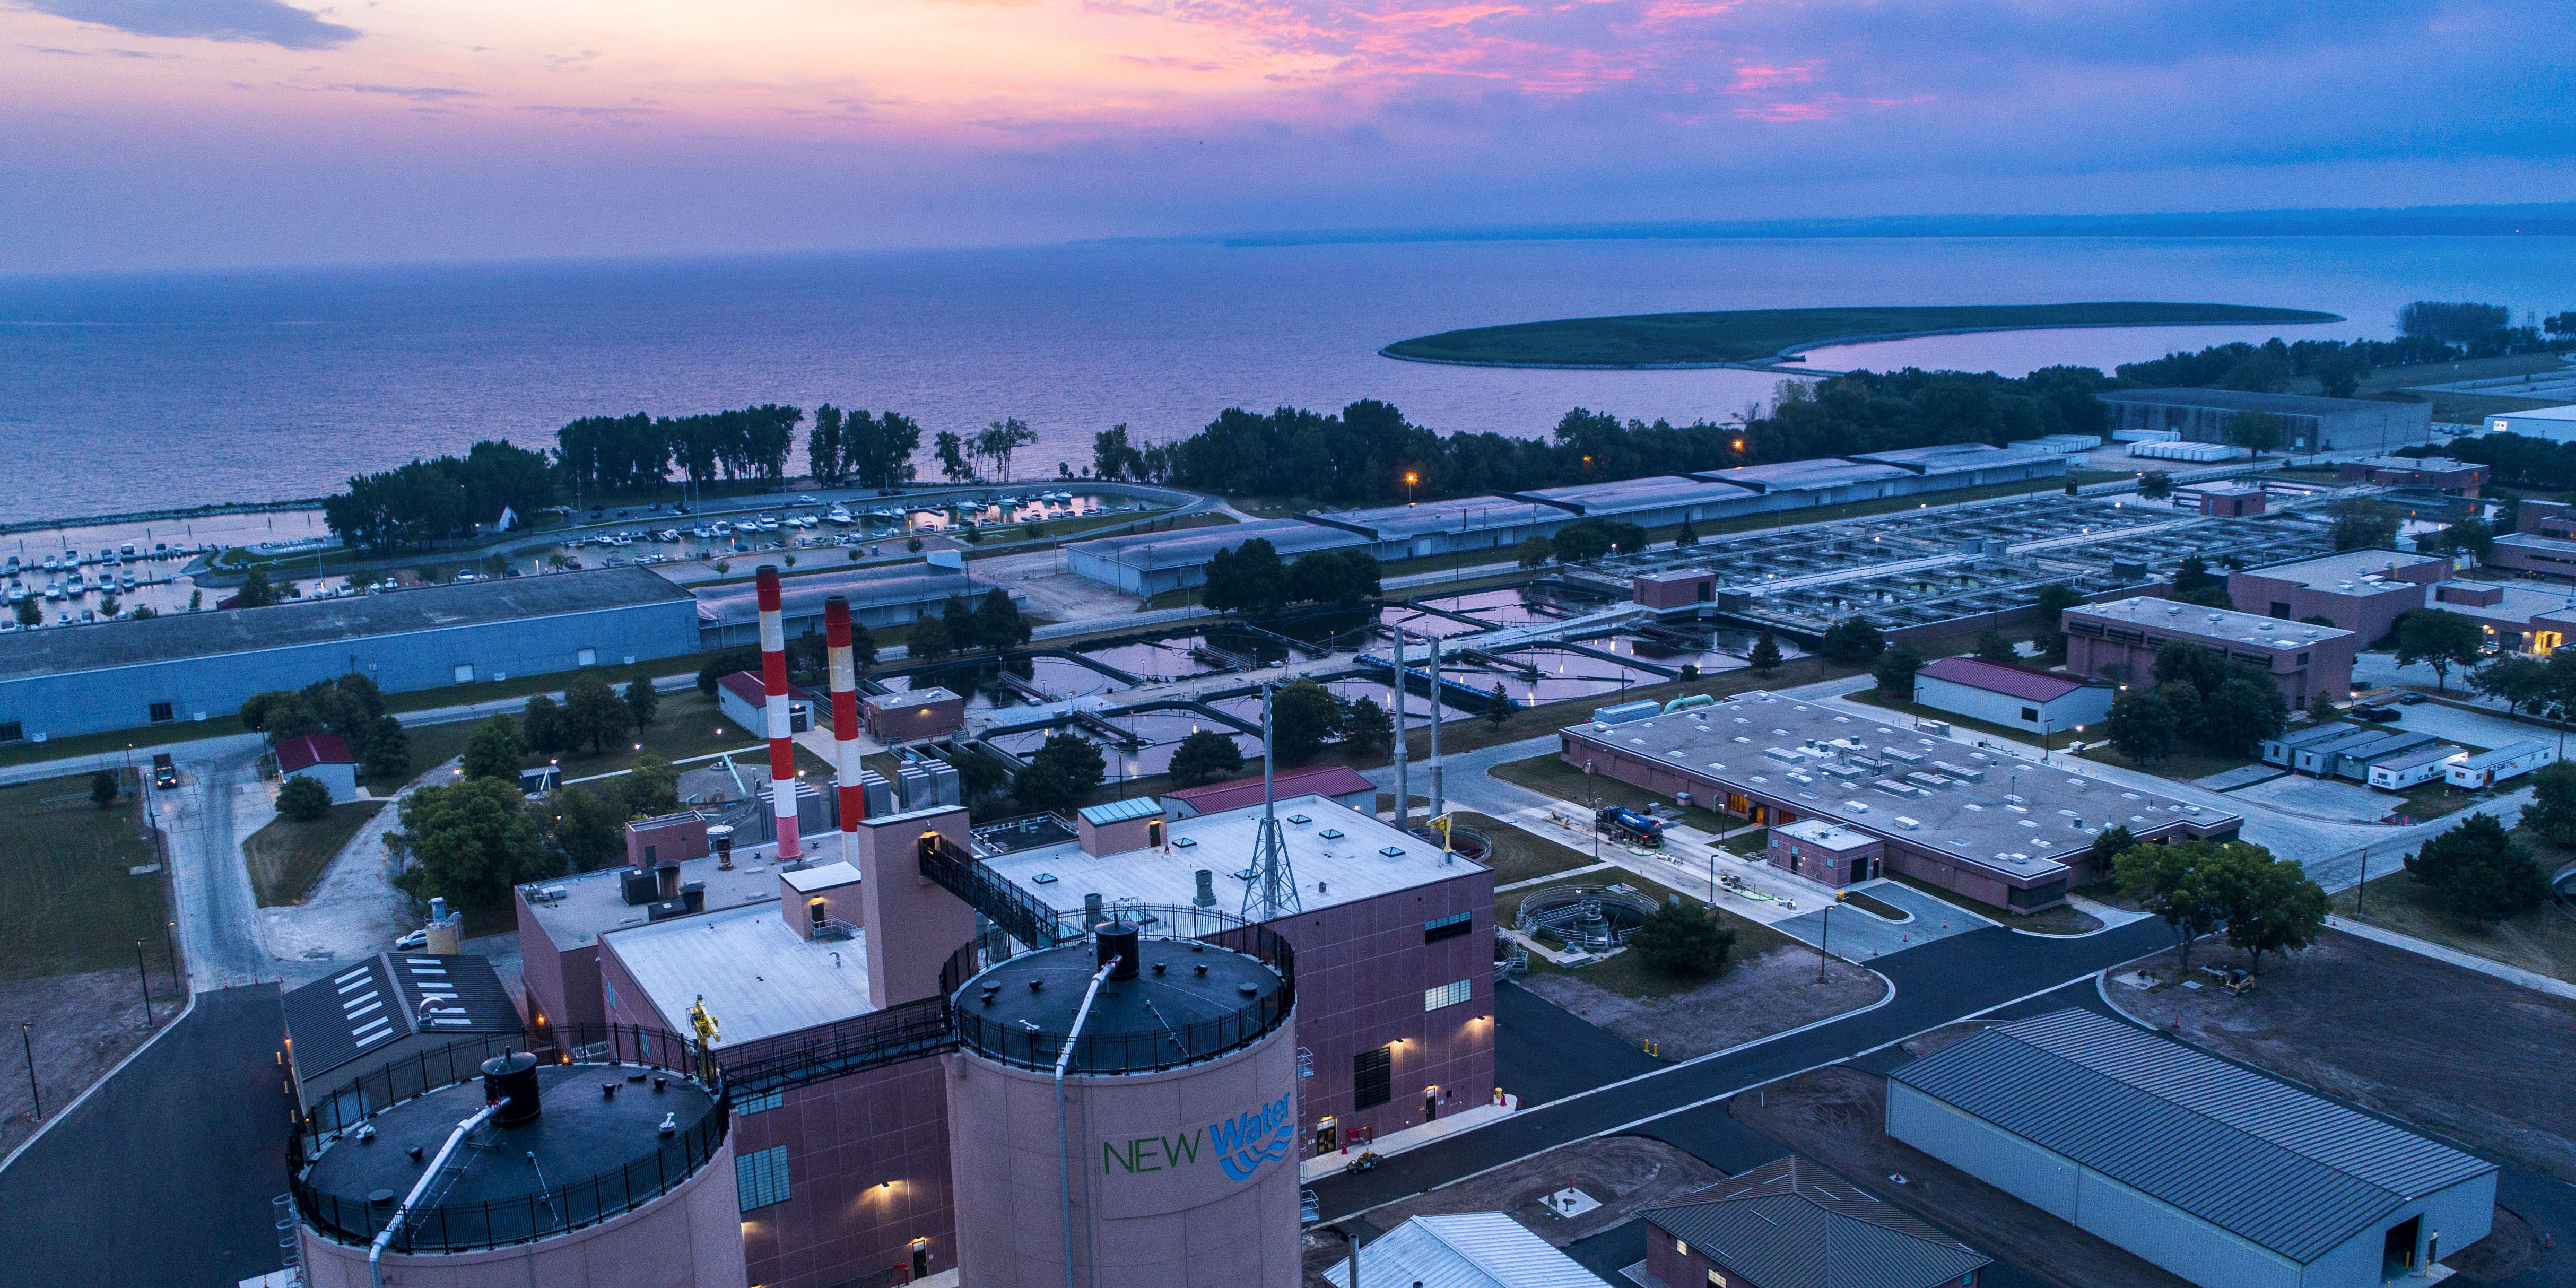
(217, 911)
(162, 1178)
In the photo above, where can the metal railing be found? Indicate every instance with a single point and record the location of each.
(1020, 915)
(1166, 1047)
(382, 1088)
(878, 1038)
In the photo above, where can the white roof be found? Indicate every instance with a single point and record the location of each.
(1467, 1250)
(2208, 623)
(2567, 412)
(760, 978)
(1817, 831)
(1346, 866)
(824, 877)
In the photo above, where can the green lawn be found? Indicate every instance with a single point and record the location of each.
(287, 856)
(1747, 335)
(1627, 974)
(68, 900)
(1548, 773)
(2064, 919)
(2542, 940)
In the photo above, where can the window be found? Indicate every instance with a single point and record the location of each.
(2030, 714)
(1448, 994)
(585, 657)
(12, 731)
(2303, 659)
(608, 994)
(1449, 927)
(760, 1177)
(1680, 1249)
(465, 673)
(2280, 610)
(1373, 1078)
(160, 713)
(1716, 1280)
(757, 1104)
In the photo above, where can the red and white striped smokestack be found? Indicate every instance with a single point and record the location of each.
(773, 684)
(845, 716)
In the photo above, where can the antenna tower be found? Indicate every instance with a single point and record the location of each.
(1272, 891)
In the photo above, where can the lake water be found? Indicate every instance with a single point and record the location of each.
(128, 393)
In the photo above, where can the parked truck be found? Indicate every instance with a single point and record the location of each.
(1630, 826)
(165, 772)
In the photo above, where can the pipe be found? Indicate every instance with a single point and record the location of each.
(845, 719)
(1063, 1143)
(376, 1250)
(773, 684)
(1437, 808)
(1403, 785)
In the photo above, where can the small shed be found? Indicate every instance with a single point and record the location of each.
(1792, 1222)
(323, 758)
(1818, 850)
(1115, 827)
(744, 699)
(912, 716)
(1464, 1250)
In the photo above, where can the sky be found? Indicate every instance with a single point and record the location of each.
(146, 134)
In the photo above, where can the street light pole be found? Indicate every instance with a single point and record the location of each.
(1823, 938)
(34, 1097)
(2364, 887)
(1594, 785)
(143, 979)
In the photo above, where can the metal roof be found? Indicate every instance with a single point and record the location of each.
(378, 1002)
(2286, 1169)
(896, 586)
(1193, 547)
(2510, 751)
(759, 977)
(1464, 1250)
(1629, 496)
(176, 636)
(1958, 458)
(1118, 811)
(1789, 476)
(1457, 515)
(1792, 1224)
(2233, 400)
(2011, 681)
(307, 750)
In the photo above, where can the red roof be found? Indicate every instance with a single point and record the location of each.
(752, 689)
(2011, 680)
(1314, 780)
(312, 749)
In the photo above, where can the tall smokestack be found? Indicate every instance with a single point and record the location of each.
(845, 717)
(773, 683)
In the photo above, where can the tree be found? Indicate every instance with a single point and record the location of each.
(1059, 773)
(998, 623)
(1895, 671)
(1625, 537)
(279, 713)
(2480, 873)
(2054, 599)
(1498, 707)
(2270, 906)
(107, 606)
(642, 703)
(1001, 438)
(1113, 457)
(1852, 640)
(1532, 552)
(256, 591)
(959, 617)
(2321, 706)
(386, 753)
(1207, 756)
(1303, 715)
(951, 451)
(2452, 322)
(469, 842)
(1368, 728)
(2108, 845)
(2364, 524)
(649, 787)
(1582, 541)
(1683, 941)
(2144, 727)
(1341, 577)
(2551, 815)
(543, 728)
(1765, 656)
(31, 610)
(2193, 574)
(2183, 882)
(2240, 713)
(2516, 681)
(1993, 647)
(303, 798)
(594, 714)
(2260, 372)
(1247, 578)
(2258, 430)
(104, 789)
(929, 641)
(588, 829)
(2155, 485)
(2468, 536)
(496, 750)
(2440, 639)
(1688, 536)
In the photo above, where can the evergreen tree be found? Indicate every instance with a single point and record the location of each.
(2479, 872)
(1765, 656)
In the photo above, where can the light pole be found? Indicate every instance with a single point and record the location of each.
(35, 1098)
(2364, 886)
(1593, 785)
(1823, 938)
(143, 979)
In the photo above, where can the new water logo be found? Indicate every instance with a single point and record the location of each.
(1248, 1140)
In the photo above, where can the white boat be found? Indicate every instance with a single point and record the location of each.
(722, 528)
(840, 514)
(765, 524)
(126, 581)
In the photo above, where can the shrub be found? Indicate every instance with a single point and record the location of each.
(303, 799)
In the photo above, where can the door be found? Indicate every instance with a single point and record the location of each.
(921, 1258)
(2398, 1254)
(1328, 1136)
(1430, 1103)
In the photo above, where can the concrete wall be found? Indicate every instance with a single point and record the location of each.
(75, 702)
(2058, 715)
(562, 986)
(688, 1238)
(1154, 1200)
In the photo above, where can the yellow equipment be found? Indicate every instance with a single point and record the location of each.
(704, 1021)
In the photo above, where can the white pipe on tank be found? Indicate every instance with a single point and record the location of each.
(376, 1250)
(1063, 1142)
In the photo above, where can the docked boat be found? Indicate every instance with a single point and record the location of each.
(840, 515)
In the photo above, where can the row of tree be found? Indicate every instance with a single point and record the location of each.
(1250, 578)
(411, 506)
(852, 446)
(349, 707)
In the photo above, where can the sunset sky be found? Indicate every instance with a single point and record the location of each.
(145, 133)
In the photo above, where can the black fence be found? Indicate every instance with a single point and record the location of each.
(906, 1032)
(1023, 917)
(374, 1092)
(1168, 1047)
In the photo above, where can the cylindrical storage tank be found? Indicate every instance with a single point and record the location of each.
(590, 1189)
(1171, 1158)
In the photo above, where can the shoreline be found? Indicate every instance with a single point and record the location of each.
(12, 528)
(1774, 363)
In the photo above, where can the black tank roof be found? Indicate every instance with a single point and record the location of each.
(1189, 1001)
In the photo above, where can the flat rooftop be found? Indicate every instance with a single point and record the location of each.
(803, 596)
(2328, 572)
(1955, 458)
(2208, 623)
(760, 979)
(2523, 600)
(1467, 513)
(1789, 476)
(1805, 754)
(2430, 464)
(1338, 853)
(1625, 496)
(2233, 400)
(1191, 547)
(594, 903)
(174, 637)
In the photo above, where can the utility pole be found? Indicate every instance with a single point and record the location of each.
(1403, 783)
(1824, 937)
(1438, 808)
(145, 980)
(1595, 785)
(34, 1097)
(2364, 886)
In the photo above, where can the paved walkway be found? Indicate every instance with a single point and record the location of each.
(2443, 953)
(1858, 935)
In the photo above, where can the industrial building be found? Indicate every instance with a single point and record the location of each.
(1657, 501)
(1818, 850)
(2518, 616)
(325, 759)
(2440, 474)
(1991, 827)
(2211, 1171)
(2555, 423)
(2309, 425)
(2361, 591)
(1466, 1250)
(61, 681)
(912, 715)
(1440, 527)
(2486, 769)
(2226, 499)
(1340, 784)
(1953, 465)
(2037, 701)
(729, 616)
(1792, 1222)
(742, 700)
(387, 1010)
(1150, 563)
(1832, 480)
(2119, 641)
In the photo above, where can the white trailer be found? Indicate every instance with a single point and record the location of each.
(2422, 765)
(2490, 768)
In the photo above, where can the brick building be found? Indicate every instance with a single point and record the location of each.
(2361, 591)
(2119, 641)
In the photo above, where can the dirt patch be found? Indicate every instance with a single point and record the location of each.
(288, 855)
(84, 1024)
(1756, 997)
(2509, 1249)
(1838, 1117)
(1625, 1173)
(2454, 1052)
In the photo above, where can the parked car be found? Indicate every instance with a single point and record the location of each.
(413, 942)
(2410, 699)
(2378, 715)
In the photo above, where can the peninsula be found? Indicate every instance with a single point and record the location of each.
(1760, 337)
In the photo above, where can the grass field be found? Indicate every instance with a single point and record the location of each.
(2542, 940)
(1747, 335)
(1518, 855)
(68, 899)
(287, 856)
